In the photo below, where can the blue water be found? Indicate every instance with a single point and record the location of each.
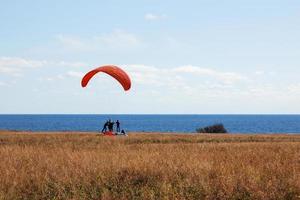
(153, 123)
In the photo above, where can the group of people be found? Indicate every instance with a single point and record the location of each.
(109, 126)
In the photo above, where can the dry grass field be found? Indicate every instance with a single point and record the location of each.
(148, 166)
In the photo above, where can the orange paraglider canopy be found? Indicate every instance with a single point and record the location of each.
(113, 71)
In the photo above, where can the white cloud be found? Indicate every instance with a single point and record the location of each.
(20, 62)
(259, 73)
(114, 40)
(152, 17)
(68, 64)
(60, 76)
(182, 75)
(183, 78)
(74, 43)
(118, 38)
(9, 70)
(187, 79)
(75, 74)
(294, 88)
(225, 77)
(15, 66)
(182, 88)
(3, 84)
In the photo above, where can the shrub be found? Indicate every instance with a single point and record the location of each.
(216, 128)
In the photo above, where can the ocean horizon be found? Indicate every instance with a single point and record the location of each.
(177, 123)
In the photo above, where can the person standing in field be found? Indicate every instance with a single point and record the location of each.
(105, 127)
(118, 125)
(111, 126)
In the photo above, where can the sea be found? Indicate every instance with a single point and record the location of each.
(250, 124)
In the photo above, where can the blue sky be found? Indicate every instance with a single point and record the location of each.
(190, 57)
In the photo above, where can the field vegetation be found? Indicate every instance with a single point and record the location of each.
(149, 166)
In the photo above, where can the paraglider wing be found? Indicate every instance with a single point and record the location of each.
(113, 71)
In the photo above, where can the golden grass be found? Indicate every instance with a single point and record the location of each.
(149, 166)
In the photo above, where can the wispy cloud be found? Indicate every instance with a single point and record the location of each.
(225, 77)
(185, 79)
(259, 72)
(118, 38)
(114, 40)
(161, 86)
(75, 74)
(182, 75)
(16, 66)
(153, 17)
(294, 88)
(67, 64)
(2, 84)
(20, 62)
(73, 42)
